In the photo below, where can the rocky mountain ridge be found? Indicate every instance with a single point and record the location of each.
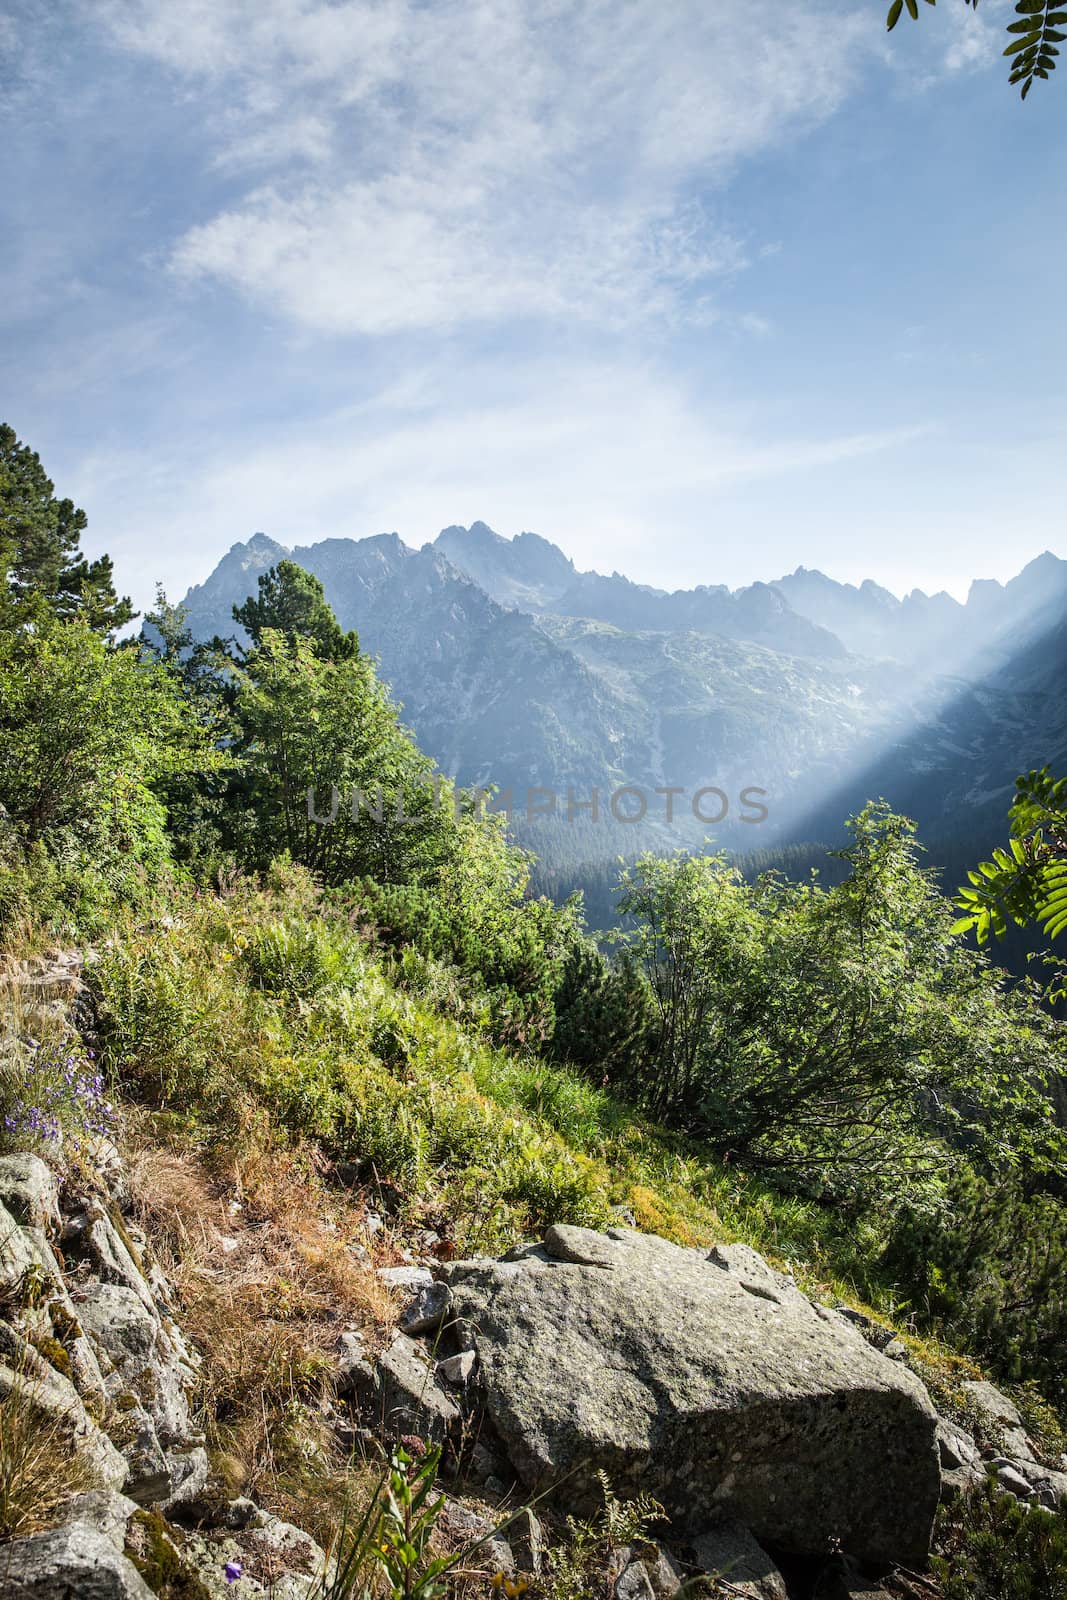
(515, 669)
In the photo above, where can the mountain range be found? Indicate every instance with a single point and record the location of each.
(516, 669)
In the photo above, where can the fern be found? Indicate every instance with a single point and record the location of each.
(1033, 53)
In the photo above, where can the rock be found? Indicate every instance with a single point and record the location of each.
(895, 1350)
(732, 1553)
(1001, 1419)
(189, 1472)
(634, 1583)
(1013, 1482)
(664, 1573)
(427, 1310)
(527, 1542)
(149, 1474)
(710, 1383)
(406, 1277)
(103, 1509)
(411, 1399)
(150, 1358)
(355, 1375)
(458, 1369)
(55, 1398)
(92, 1235)
(29, 1190)
(75, 1560)
(956, 1448)
(469, 1528)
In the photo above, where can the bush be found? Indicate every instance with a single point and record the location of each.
(990, 1547)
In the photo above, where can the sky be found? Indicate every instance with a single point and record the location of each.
(701, 291)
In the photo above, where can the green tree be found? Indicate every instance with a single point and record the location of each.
(42, 570)
(841, 1032)
(87, 736)
(327, 774)
(1033, 39)
(293, 602)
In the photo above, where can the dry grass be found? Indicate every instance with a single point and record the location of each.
(39, 1472)
(259, 1253)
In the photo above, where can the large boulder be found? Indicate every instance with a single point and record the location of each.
(76, 1560)
(707, 1380)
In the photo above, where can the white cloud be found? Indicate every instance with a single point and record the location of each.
(423, 166)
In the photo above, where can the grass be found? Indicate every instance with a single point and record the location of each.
(39, 1472)
(262, 1028)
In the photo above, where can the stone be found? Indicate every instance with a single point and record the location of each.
(709, 1382)
(527, 1542)
(103, 1509)
(29, 1190)
(76, 1559)
(470, 1528)
(956, 1448)
(355, 1374)
(189, 1472)
(664, 1572)
(92, 1235)
(410, 1398)
(1013, 1482)
(634, 1583)
(732, 1553)
(429, 1308)
(54, 1396)
(151, 1358)
(1000, 1417)
(458, 1369)
(411, 1278)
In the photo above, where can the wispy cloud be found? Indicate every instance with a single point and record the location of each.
(590, 455)
(423, 167)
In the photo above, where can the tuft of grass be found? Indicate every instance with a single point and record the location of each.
(39, 1472)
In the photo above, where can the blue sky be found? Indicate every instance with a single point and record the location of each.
(702, 291)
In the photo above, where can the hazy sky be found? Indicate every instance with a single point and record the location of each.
(702, 290)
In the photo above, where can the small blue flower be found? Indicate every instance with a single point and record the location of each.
(233, 1571)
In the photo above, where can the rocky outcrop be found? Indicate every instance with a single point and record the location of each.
(703, 1378)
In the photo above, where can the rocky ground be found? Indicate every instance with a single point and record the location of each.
(790, 1445)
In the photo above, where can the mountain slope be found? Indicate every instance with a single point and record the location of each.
(517, 670)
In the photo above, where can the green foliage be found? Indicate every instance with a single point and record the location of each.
(1033, 39)
(327, 774)
(1026, 883)
(991, 1547)
(391, 1537)
(42, 571)
(86, 735)
(575, 1568)
(840, 1037)
(293, 602)
(990, 1264)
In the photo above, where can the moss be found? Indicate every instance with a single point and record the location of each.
(53, 1353)
(65, 1324)
(158, 1560)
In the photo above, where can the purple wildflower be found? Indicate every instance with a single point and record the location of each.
(233, 1571)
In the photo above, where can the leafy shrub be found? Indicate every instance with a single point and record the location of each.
(842, 1040)
(297, 958)
(991, 1547)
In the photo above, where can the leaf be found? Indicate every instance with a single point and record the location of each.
(1030, 8)
(1029, 43)
(913, 9)
(894, 14)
